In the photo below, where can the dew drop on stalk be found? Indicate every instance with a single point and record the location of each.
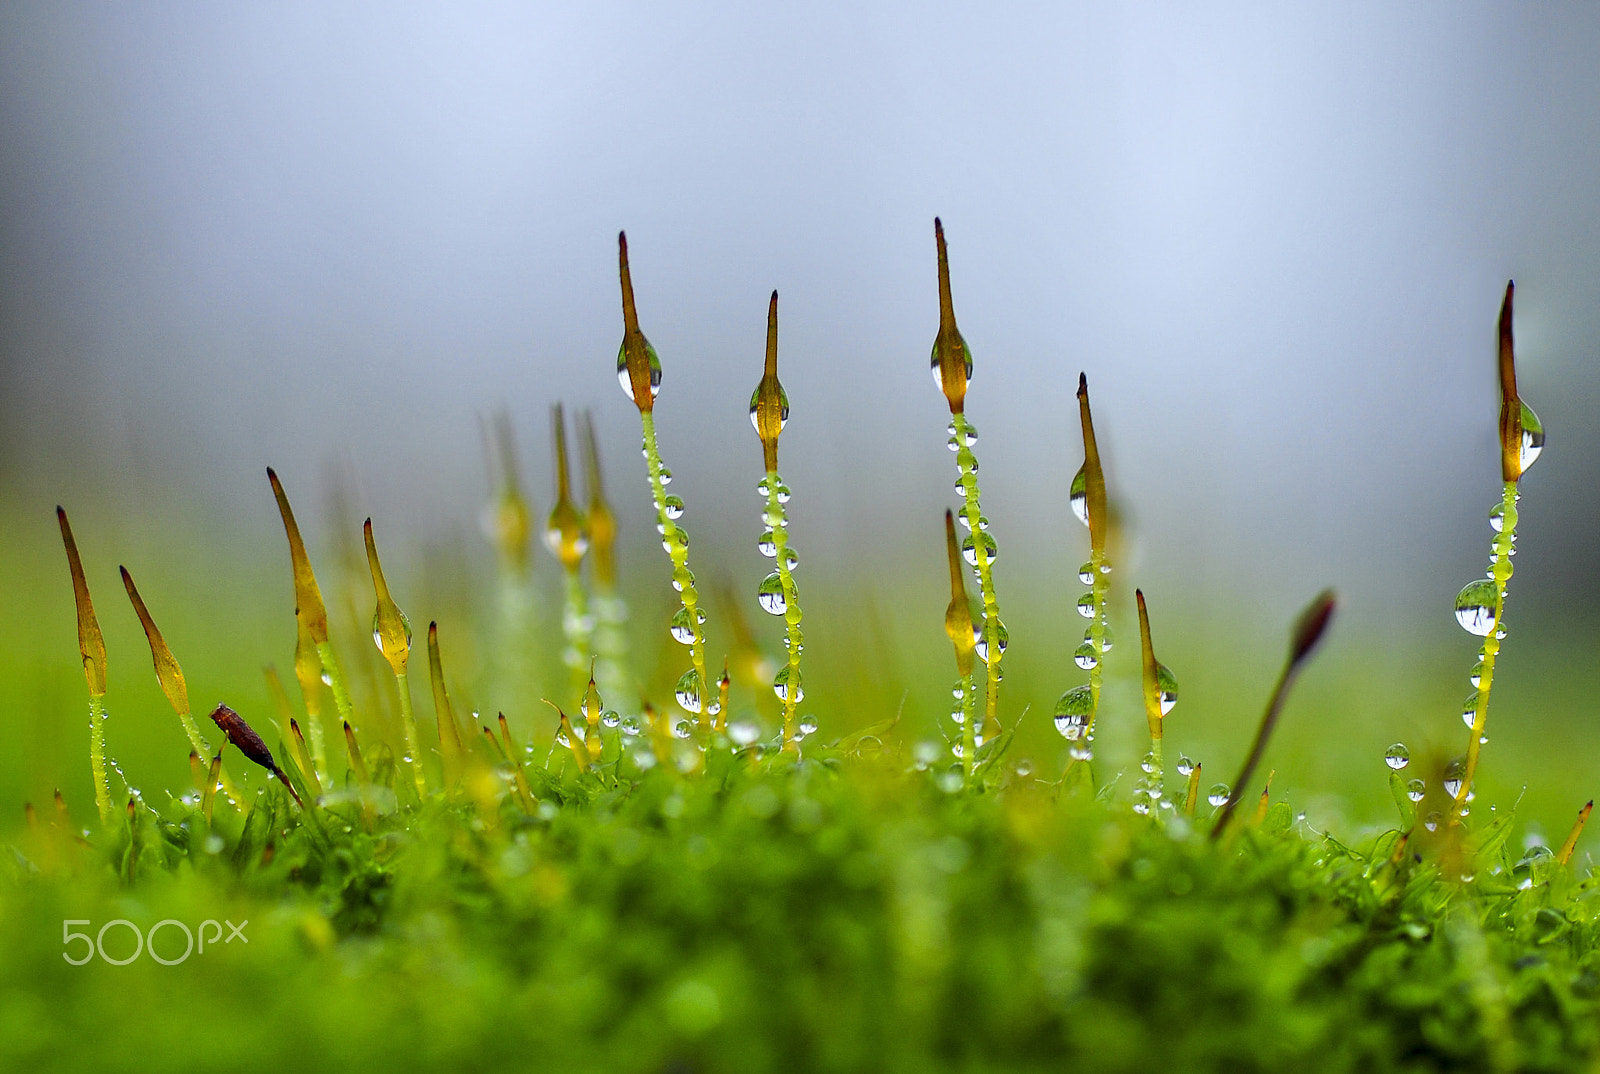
(673, 506)
(666, 476)
(1397, 756)
(1218, 794)
(791, 559)
(610, 718)
(1475, 607)
(925, 752)
(688, 691)
(1024, 768)
(1497, 516)
(783, 492)
(681, 729)
(1469, 709)
(1081, 752)
(1073, 711)
(1185, 765)
(1166, 688)
(627, 382)
(808, 726)
(770, 595)
(682, 628)
(1475, 676)
(969, 547)
(1452, 777)
(1532, 437)
(562, 739)
(787, 685)
(1105, 638)
(1086, 574)
(1086, 605)
(1415, 789)
(958, 691)
(632, 726)
(766, 545)
(1431, 822)
(1078, 494)
(1085, 656)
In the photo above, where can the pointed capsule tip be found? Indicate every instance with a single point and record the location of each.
(1083, 385)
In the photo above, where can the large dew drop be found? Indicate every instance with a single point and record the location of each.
(627, 382)
(1397, 756)
(688, 691)
(1167, 688)
(1532, 438)
(1078, 494)
(682, 627)
(1475, 607)
(787, 685)
(1073, 712)
(770, 595)
(1217, 795)
(969, 548)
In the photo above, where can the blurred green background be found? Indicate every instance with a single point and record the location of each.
(334, 241)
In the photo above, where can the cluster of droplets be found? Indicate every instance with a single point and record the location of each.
(979, 550)
(688, 624)
(1150, 794)
(778, 595)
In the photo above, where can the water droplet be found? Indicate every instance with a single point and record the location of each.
(1397, 756)
(786, 684)
(673, 506)
(1148, 764)
(969, 550)
(1469, 709)
(632, 726)
(1024, 768)
(1086, 605)
(1081, 752)
(808, 725)
(682, 627)
(791, 559)
(1475, 607)
(682, 729)
(1166, 689)
(1086, 574)
(783, 492)
(770, 595)
(666, 476)
(1453, 773)
(766, 545)
(1475, 676)
(958, 691)
(1532, 437)
(1217, 795)
(609, 718)
(1085, 656)
(1078, 494)
(958, 715)
(1185, 765)
(742, 733)
(688, 691)
(327, 680)
(980, 639)
(1141, 808)
(1415, 789)
(1105, 638)
(562, 739)
(627, 382)
(1073, 711)
(1431, 822)
(1497, 516)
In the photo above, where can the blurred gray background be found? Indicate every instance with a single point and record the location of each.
(331, 237)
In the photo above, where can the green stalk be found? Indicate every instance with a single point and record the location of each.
(994, 638)
(408, 721)
(97, 756)
(788, 683)
(1501, 574)
(676, 540)
(92, 649)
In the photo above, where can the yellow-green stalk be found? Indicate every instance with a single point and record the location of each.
(514, 755)
(610, 611)
(308, 673)
(959, 626)
(358, 771)
(450, 751)
(1480, 606)
(1160, 694)
(639, 372)
(1570, 843)
(309, 606)
(391, 632)
(92, 647)
(173, 684)
(952, 368)
(568, 539)
(1077, 709)
(778, 594)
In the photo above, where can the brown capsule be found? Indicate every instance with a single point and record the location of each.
(637, 365)
(1510, 402)
(1570, 844)
(602, 523)
(307, 596)
(1094, 475)
(958, 622)
(168, 673)
(769, 404)
(244, 738)
(952, 361)
(564, 532)
(91, 643)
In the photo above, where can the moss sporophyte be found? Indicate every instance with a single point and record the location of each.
(557, 819)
